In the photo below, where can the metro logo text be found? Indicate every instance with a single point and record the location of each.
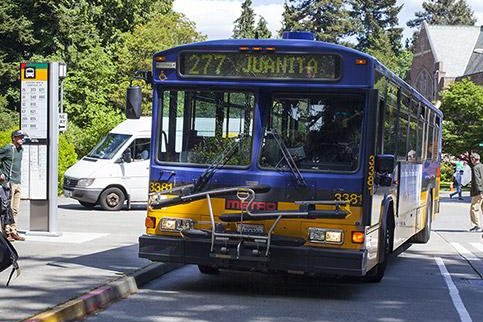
(256, 205)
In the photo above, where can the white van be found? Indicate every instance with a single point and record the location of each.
(116, 170)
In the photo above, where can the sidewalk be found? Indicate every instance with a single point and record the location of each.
(95, 247)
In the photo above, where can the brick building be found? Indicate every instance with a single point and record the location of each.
(444, 54)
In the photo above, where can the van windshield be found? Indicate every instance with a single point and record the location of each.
(108, 146)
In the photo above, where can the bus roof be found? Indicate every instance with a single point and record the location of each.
(280, 43)
(305, 45)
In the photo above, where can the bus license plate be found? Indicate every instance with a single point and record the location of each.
(250, 229)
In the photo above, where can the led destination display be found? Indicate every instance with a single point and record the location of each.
(260, 65)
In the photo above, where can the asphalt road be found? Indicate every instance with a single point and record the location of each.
(439, 281)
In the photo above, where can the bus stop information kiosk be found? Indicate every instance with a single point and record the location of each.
(39, 118)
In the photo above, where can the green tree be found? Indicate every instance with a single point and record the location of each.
(136, 49)
(373, 18)
(329, 20)
(63, 28)
(444, 12)
(462, 105)
(290, 18)
(261, 31)
(245, 24)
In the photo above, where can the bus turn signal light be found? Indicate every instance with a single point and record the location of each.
(150, 222)
(361, 61)
(357, 237)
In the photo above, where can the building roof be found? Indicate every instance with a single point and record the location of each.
(475, 65)
(454, 46)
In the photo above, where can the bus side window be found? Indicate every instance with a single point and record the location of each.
(403, 127)
(437, 128)
(380, 84)
(390, 118)
(413, 144)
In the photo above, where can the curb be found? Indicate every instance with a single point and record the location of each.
(103, 296)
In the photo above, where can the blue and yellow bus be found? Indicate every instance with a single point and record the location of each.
(286, 155)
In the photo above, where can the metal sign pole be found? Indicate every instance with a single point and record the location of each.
(53, 148)
(40, 119)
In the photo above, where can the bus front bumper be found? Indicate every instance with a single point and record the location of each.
(309, 260)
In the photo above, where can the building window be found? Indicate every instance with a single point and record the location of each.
(424, 84)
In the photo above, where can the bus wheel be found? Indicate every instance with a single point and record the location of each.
(208, 270)
(423, 236)
(376, 274)
(88, 205)
(112, 199)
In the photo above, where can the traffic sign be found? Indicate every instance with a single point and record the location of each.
(62, 122)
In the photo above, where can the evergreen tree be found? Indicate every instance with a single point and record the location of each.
(444, 12)
(261, 31)
(245, 24)
(290, 18)
(374, 18)
(329, 20)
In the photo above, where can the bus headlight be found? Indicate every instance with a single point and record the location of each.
(176, 224)
(328, 236)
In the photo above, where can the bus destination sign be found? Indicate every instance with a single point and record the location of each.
(250, 65)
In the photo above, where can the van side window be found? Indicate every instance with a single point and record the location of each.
(140, 149)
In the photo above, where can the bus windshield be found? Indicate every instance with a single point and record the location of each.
(321, 132)
(108, 146)
(200, 126)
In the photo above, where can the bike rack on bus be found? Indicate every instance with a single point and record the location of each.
(247, 195)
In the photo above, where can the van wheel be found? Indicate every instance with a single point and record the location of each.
(112, 199)
(88, 205)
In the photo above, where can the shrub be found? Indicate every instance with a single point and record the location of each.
(67, 157)
(6, 135)
(447, 170)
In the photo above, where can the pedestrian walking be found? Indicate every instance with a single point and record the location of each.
(10, 175)
(476, 191)
(458, 184)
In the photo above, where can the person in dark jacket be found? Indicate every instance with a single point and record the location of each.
(10, 174)
(476, 191)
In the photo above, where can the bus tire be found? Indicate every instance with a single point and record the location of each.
(112, 199)
(209, 270)
(88, 205)
(376, 274)
(422, 237)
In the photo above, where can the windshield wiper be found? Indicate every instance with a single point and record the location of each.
(288, 158)
(218, 163)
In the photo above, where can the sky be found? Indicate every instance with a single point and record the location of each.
(215, 18)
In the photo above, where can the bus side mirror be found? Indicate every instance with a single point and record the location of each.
(385, 163)
(134, 99)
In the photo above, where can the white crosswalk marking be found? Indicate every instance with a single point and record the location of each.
(478, 246)
(465, 252)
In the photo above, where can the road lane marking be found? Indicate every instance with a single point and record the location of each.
(453, 292)
(465, 252)
(478, 246)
